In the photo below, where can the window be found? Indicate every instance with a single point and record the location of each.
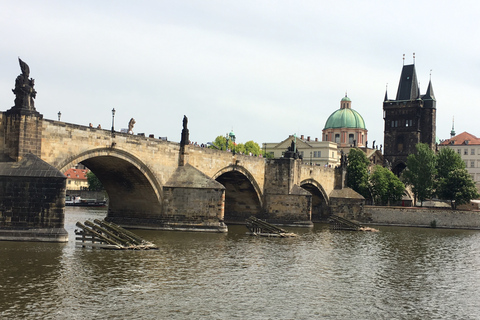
(472, 164)
(337, 138)
(350, 138)
(465, 151)
(408, 123)
(472, 152)
(458, 151)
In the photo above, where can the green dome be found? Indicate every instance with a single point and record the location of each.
(346, 99)
(345, 118)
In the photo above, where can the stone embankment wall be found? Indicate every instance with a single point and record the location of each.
(422, 217)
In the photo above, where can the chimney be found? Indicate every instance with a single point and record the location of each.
(308, 138)
(301, 137)
(316, 139)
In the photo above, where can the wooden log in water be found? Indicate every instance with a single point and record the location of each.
(119, 240)
(121, 232)
(110, 236)
(97, 234)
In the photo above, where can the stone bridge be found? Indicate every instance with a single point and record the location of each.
(151, 183)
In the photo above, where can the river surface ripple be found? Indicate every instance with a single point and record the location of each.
(397, 273)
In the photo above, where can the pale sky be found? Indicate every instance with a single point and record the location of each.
(265, 69)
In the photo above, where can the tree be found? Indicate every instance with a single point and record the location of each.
(357, 172)
(447, 161)
(220, 143)
(252, 147)
(453, 181)
(421, 171)
(458, 187)
(246, 148)
(386, 187)
(93, 183)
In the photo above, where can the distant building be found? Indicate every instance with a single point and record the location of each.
(468, 147)
(345, 126)
(77, 179)
(344, 129)
(312, 151)
(409, 119)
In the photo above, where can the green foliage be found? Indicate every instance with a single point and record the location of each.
(421, 171)
(447, 161)
(243, 148)
(252, 147)
(457, 186)
(220, 142)
(357, 172)
(93, 183)
(385, 186)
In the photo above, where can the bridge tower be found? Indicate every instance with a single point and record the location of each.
(409, 119)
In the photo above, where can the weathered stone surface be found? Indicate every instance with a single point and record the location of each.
(32, 200)
(422, 217)
(347, 203)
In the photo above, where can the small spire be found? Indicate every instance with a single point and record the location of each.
(452, 133)
(414, 58)
(386, 91)
(404, 59)
(430, 74)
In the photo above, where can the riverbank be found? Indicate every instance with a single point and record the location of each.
(422, 217)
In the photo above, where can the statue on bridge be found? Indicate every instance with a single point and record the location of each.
(24, 91)
(292, 152)
(131, 123)
(185, 135)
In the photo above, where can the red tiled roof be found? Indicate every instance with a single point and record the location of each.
(79, 174)
(460, 139)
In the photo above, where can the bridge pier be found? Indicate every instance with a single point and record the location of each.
(191, 202)
(286, 203)
(32, 201)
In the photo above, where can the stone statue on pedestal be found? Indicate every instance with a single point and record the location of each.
(24, 91)
(185, 135)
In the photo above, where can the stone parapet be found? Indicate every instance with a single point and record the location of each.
(422, 217)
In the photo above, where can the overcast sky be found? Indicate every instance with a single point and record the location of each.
(265, 69)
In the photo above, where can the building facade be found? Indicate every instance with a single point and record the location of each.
(77, 179)
(323, 153)
(408, 120)
(468, 147)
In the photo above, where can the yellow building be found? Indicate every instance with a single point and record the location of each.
(323, 153)
(77, 179)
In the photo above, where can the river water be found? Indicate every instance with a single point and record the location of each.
(397, 273)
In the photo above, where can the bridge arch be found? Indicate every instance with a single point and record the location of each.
(132, 187)
(320, 199)
(243, 196)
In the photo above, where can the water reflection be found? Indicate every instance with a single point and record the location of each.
(397, 273)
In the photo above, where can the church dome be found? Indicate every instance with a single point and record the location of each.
(345, 118)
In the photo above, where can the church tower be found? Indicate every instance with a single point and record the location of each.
(408, 120)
